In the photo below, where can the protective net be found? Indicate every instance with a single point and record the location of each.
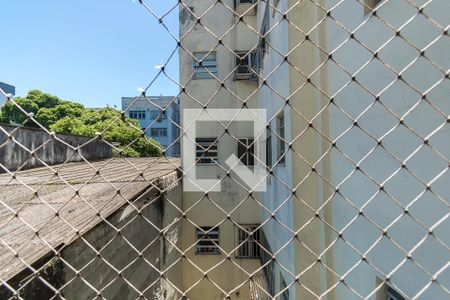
(305, 156)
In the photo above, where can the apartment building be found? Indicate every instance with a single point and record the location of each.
(350, 109)
(216, 72)
(7, 89)
(159, 116)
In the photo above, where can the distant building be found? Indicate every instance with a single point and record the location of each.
(7, 89)
(159, 116)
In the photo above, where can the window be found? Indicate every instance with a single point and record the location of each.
(281, 138)
(249, 241)
(158, 131)
(245, 1)
(246, 151)
(246, 66)
(205, 65)
(137, 114)
(392, 294)
(269, 149)
(207, 240)
(157, 115)
(206, 150)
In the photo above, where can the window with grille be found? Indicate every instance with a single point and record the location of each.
(246, 151)
(158, 131)
(207, 240)
(281, 138)
(137, 114)
(205, 65)
(206, 150)
(246, 66)
(248, 241)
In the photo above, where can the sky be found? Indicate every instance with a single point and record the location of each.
(88, 51)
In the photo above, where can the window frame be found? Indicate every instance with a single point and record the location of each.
(269, 151)
(281, 132)
(248, 246)
(137, 114)
(209, 66)
(246, 60)
(160, 132)
(247, 158)
(210, 245)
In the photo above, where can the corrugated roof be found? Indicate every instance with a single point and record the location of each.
(56, 206)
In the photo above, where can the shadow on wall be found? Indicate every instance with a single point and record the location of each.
(24, 148)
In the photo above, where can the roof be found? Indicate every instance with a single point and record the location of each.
(29, 203)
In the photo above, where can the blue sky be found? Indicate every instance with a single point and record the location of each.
(89, 51)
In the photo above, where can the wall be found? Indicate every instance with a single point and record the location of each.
(139, 252)
(230, 273)
(326, 177)
(49, 149)
(392, 130)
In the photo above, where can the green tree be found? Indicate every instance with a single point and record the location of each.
(70, 117)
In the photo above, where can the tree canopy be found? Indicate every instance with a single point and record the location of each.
(70, 117)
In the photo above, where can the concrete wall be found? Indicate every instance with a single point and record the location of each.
(148, 262)
(336, 166)
(17, 144)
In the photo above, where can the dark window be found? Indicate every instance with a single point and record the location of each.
(246, 151)
(245, 1)
(281, 138)
(206, 150)
(248, 241)
(269, 149)
(137, 114)
(158, 131)
(207, 240)
(392, 294)
(246, 66)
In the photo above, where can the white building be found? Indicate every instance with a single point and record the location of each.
(364, 195)
(159, 116)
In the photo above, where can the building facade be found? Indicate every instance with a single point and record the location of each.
(351, 104)
(7, 89)
(216, 73)
(159, 116)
